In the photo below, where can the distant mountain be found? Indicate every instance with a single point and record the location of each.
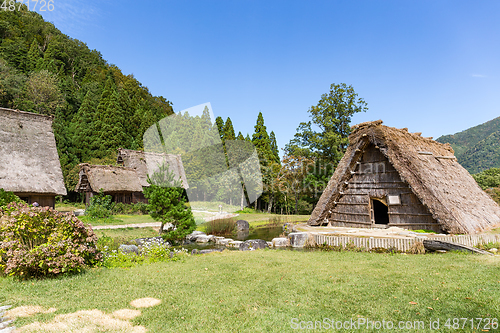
(477, 148)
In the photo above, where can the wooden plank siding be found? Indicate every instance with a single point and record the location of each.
(374, 177)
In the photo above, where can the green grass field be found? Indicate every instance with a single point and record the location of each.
(262, 291)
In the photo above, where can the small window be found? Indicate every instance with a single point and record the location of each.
(393, 200)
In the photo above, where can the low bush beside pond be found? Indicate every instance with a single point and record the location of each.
(220, 227)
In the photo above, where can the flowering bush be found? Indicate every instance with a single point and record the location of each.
(38, 242)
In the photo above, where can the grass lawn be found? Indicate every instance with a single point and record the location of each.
(262, 291)
(118, 220)
(63, 207)
(263, 219)
(124, 235)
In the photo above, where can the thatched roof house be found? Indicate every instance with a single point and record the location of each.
(121, 183)
(146, 163)
(29, 163)
(389, 177)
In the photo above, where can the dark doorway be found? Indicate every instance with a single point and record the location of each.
(380, 212)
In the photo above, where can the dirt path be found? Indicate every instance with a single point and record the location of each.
(213, 216)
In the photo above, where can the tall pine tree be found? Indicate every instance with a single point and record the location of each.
(229, 130)
(262, 143)
(274, 147)
(220, 127)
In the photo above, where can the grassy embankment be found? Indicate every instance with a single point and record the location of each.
(261, 291)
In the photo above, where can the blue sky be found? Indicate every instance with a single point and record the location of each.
(431, 66)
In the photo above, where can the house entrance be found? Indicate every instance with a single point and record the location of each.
(380, 212)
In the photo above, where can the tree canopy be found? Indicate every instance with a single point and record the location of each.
(332, 117)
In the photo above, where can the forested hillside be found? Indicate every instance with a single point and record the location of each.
(477, 148)
(96, 107)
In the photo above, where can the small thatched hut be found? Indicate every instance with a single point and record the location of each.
(146, 163)
(121, 183)
(389, 177)
(29, 163)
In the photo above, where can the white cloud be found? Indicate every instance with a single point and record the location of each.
(478, 75)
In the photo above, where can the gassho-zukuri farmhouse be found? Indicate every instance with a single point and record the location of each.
(29, 163)
(389, 177)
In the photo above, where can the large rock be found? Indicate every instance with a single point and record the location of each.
(298, 239)
(253, 244)
(128, 249)
(234, 243)
(242, 225)
(222, 241)
(280, 242)
(192, 236)
(204, 239)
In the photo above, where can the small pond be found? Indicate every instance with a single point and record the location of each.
(265, 233)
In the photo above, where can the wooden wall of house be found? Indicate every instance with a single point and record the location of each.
(43, 200)
(375, 178)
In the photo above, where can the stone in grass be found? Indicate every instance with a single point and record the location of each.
(242, 225)
(298, 239)
(128, 249)
(195, 251)
(79, 212)
(280, 242)
(253, 244)
(493, 250)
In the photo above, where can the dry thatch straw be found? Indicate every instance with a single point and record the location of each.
(431, 172)
(109, 178)
(145, 163)
(29, 161)
(417, 248)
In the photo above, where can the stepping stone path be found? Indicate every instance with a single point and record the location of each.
(5, 321)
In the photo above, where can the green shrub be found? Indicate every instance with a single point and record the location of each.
(488, 246)
(100, 206)
(127, 209)
(38, 242)
(167, 204)
(141, 207)
(247, 210)
(488, 178)
(7, 197)
(220, 226)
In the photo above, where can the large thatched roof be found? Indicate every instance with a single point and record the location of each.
(29, 162)
(146, 163)
(108, 178)
(430, 169)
